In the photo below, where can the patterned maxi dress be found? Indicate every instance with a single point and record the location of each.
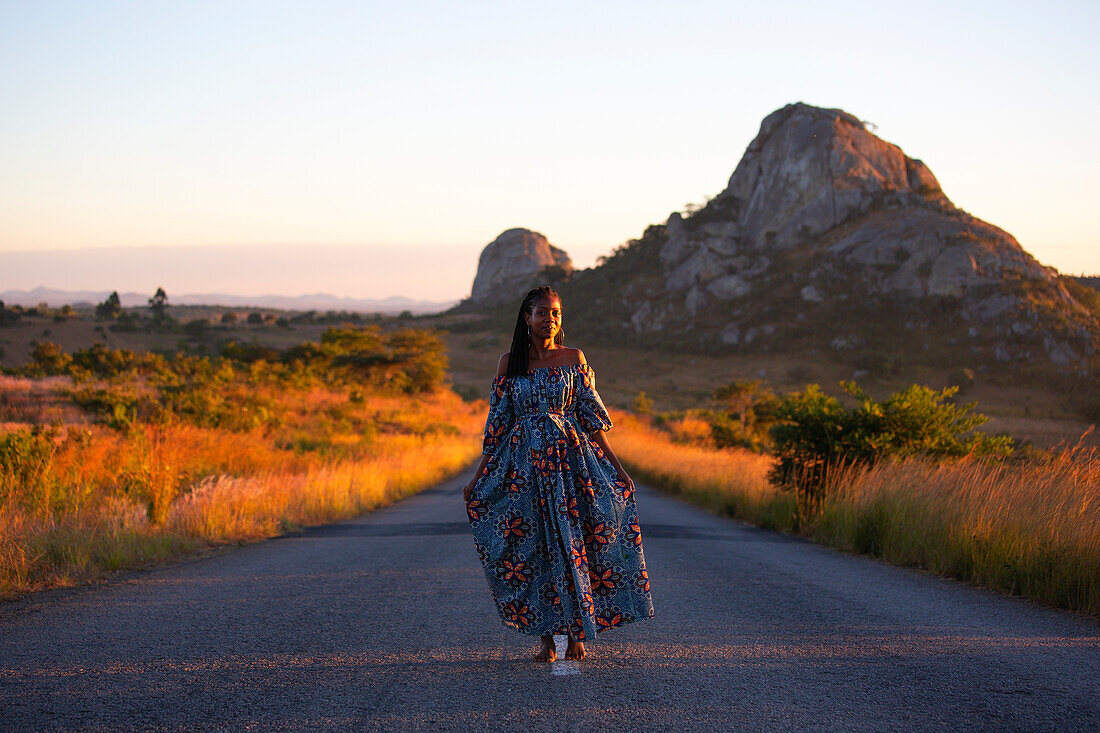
(555, 526)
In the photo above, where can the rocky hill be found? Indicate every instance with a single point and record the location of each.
(831, 241)
(510, 264)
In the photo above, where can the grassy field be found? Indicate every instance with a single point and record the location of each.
(122, 460)
(1028, 527)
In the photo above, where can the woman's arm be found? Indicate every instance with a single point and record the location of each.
(468, 489)
(601, 440)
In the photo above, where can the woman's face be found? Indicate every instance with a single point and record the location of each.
(544, 318)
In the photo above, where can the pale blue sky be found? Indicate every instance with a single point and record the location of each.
(435, 126)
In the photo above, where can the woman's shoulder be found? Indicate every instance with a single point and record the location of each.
(570, 357)
(574, 357)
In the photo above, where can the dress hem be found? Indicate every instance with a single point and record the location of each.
(527, 631)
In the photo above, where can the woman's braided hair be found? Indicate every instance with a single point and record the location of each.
(517, 359)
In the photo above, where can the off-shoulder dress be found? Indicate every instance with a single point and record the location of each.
(554, 524)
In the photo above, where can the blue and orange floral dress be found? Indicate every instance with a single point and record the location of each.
(554, 524)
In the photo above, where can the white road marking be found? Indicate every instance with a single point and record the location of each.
(561, 665)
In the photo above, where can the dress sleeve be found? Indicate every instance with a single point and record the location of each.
(587, 405)
(501, 415)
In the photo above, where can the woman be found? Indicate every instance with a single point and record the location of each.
(551, 507)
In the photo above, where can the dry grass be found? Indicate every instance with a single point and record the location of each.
(1026, 527)
(39, 401)
(91, 499)
(729, 481)
(223, 509)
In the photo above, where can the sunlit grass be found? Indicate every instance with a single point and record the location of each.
(223, 508)
(729, 481)
(79, 500)
(1029, 527)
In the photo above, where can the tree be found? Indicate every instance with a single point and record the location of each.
(746, 416)
(7, 315)
(110, 308)
(50, 359)
(738, 396)
(159, 305)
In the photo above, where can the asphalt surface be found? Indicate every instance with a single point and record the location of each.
(385, 622)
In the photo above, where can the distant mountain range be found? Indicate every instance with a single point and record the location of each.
(313, 301)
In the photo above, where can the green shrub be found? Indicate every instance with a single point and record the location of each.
(104, 362)
(727, 432)
(25, 458)
(642, 404)
(116, 407)
(748, 415)
(814, 434)
(50, 359)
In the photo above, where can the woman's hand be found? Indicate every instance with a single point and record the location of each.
(468, 489)
(625, 477)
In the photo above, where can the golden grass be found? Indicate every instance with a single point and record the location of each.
(729, 481)
(97, 499)
(223, 509)
(1026, 527)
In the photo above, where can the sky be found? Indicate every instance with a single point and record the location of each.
(373, 149)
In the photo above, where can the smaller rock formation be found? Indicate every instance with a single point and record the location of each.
(510, 264)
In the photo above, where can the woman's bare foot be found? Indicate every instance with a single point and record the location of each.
(547, 652)
(575, 650)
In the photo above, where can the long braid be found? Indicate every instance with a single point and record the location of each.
(517, 358)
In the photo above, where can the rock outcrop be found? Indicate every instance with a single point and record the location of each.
(809, 172)
(829, 237)
(510, 264)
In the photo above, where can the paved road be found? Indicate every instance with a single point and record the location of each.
(385, 622)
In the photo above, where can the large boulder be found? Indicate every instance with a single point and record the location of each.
(823, 221)
(810, 169)
(815, 175)
(510, 265)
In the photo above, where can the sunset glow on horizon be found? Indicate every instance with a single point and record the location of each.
(359, 132)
